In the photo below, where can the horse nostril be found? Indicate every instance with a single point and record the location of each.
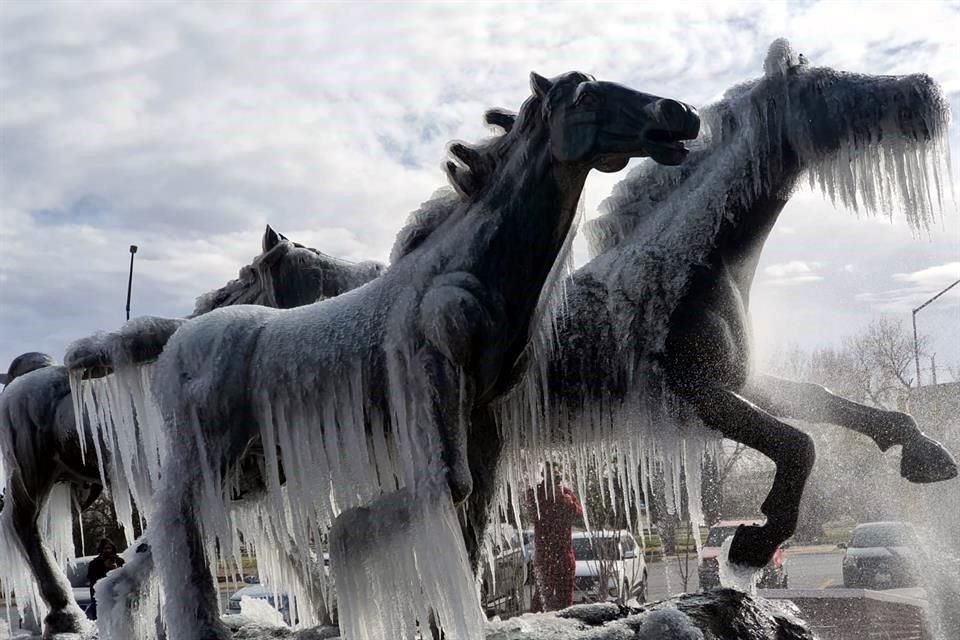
(671, 110)
(680, 117)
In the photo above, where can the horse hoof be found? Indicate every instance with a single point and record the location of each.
(924, 460)
(69, 620)
(752, 547)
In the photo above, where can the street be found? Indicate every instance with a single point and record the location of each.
(807, 568)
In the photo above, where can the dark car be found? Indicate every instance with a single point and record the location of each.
(881, 555)
(773, 576)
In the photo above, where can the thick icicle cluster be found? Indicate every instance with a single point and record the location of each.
(129, 456)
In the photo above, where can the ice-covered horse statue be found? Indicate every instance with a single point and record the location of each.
(49, 467)
(41, 447)
(656, 326)
(286, 274)
(365, 400)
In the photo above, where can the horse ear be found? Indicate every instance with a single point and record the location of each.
(780, 58)
(466, 154)
(539, 85)
(500, 118)
(460, 177)
(270, 239)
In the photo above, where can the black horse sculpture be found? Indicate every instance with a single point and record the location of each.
(656, 329)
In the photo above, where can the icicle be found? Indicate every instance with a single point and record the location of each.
(735, 576)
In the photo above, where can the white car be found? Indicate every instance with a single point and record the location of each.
(258, 592)
(610, 566)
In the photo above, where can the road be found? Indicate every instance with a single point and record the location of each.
(807, 570)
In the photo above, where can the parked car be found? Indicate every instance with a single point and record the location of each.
(773, 576)
(279, 600)
(502, 589)
(881, 555)
(610, 566)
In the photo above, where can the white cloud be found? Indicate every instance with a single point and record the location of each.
(185, 128)
(921, 285)
(793, 272)
(936, 276)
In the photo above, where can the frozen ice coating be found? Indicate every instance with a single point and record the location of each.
(53, 447)
(40, 451)
(735, 576)
(349, 418)
(601, 390)
(359, 406)
(128, 602)
(285, 274)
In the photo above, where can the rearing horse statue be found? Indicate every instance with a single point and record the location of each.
(42, 449)
(367, 400)
(656, 331)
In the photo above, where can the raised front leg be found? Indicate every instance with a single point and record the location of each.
(65, 615)
(462, 355)
(923, 459)
(484, 448)
(449, 405)
(790, 449)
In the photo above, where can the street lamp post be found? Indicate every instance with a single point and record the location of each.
(916, 342)
(133, 251)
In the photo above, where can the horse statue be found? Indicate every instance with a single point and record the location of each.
(43, 449)
(48, 465)
(364, 402)
(655, 329)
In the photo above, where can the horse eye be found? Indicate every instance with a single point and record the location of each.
(588, 100)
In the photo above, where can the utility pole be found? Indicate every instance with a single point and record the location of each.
(916, 342)
(133, 251)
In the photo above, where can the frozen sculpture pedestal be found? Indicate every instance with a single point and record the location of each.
(721, 614)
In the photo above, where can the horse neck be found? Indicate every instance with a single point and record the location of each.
(754, 214)
(534, 202)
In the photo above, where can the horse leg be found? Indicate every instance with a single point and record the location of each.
(923, 459)
(790, 449)
(449, 405)
(191, 608)
(485, 446)
(25, 505)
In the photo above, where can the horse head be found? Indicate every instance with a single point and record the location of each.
(604, 124)
(288, 274)
(591, 125)
(27, 362)
(867, 141)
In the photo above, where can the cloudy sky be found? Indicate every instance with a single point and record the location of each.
(185, 128)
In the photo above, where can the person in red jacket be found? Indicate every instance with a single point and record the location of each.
(553, 508)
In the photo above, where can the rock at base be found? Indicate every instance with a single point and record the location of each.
(721, 614)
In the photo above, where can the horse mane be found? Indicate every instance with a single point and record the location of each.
(871, 169)
(243, 283)
(470, 169)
